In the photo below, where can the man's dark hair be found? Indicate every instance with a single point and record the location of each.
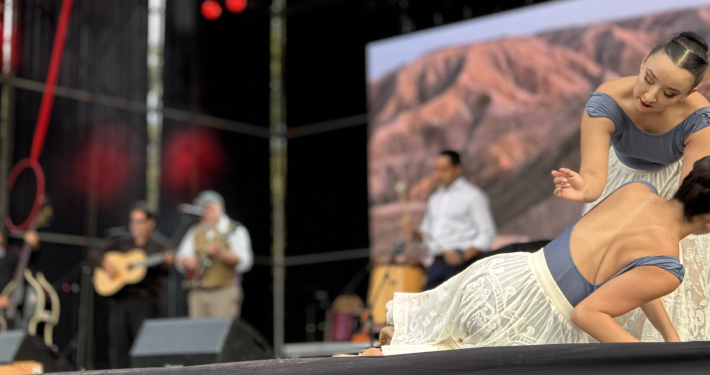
(453, 156)
(143, 206)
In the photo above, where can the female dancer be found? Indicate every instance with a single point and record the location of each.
(657, 126)
(620, 256)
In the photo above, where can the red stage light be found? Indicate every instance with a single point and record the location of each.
(193, 160)
(211, 10)
(236, 6)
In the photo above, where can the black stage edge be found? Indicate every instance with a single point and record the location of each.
(632, 358)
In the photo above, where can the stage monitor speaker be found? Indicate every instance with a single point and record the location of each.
(189, 342)
(20, 346)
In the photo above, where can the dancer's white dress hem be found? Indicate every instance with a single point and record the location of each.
(508, 299)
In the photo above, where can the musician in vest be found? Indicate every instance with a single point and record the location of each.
(214, 254)
(134, 303)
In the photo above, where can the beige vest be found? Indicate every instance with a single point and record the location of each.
(219, 274)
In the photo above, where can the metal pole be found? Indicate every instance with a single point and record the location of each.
(85, 352)
(154, 100)
(6, 106)
(277, 112)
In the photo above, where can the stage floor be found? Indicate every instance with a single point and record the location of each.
(633, 358)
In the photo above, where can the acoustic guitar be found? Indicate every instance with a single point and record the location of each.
(131, 268)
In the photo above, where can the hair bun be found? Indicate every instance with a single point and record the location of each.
(695, 38)
(701, 172)
(704, 180)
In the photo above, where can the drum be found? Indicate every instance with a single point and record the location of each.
(401, 279)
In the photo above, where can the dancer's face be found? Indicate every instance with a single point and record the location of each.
(446, 172)
(661, 84)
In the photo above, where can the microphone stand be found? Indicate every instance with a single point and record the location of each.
(398, 248)
(185, 219)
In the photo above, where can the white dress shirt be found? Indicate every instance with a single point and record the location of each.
(457, 217)
(239, 244)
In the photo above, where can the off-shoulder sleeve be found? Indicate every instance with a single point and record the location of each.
(603, 105)
(701, 120)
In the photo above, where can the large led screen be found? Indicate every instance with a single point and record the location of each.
(507, 91)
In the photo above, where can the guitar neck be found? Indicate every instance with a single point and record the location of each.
(150, 261)
(17, 279)
(22, 262)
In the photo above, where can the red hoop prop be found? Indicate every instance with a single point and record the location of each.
(40, 133)
(39, 195)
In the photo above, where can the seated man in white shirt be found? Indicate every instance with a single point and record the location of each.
(214, 254)
(457, 224)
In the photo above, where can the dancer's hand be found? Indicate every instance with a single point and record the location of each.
(674, 338)
(569, 185)
(372, 352)
(386, 334)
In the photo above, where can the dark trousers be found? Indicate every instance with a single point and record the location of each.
(124, 320)
(441, 271)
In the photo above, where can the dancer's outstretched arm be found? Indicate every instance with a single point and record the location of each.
(620, 295)
(588, 184)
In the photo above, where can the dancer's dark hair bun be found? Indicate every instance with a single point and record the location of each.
(689, 51)
(695, 38)
(694, 192)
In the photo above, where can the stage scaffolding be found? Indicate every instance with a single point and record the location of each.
(145, 106)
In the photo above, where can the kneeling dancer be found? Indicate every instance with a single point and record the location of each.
(621, 255)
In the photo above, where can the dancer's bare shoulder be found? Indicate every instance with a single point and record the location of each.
(696, 101)
(653, 240)
(619, 88)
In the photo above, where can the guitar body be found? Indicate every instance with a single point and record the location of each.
(126, 274)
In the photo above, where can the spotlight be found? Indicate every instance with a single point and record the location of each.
(211, 10)
(236, 6)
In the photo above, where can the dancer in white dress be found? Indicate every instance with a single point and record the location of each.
(620, 256)
(657, 126)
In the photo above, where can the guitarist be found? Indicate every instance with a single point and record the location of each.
(226, 245)
(134, 303)
(9, 256)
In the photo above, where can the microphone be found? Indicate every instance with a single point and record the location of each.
(189, 209)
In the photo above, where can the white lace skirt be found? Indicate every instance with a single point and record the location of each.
(687, 306)
(508, 299)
